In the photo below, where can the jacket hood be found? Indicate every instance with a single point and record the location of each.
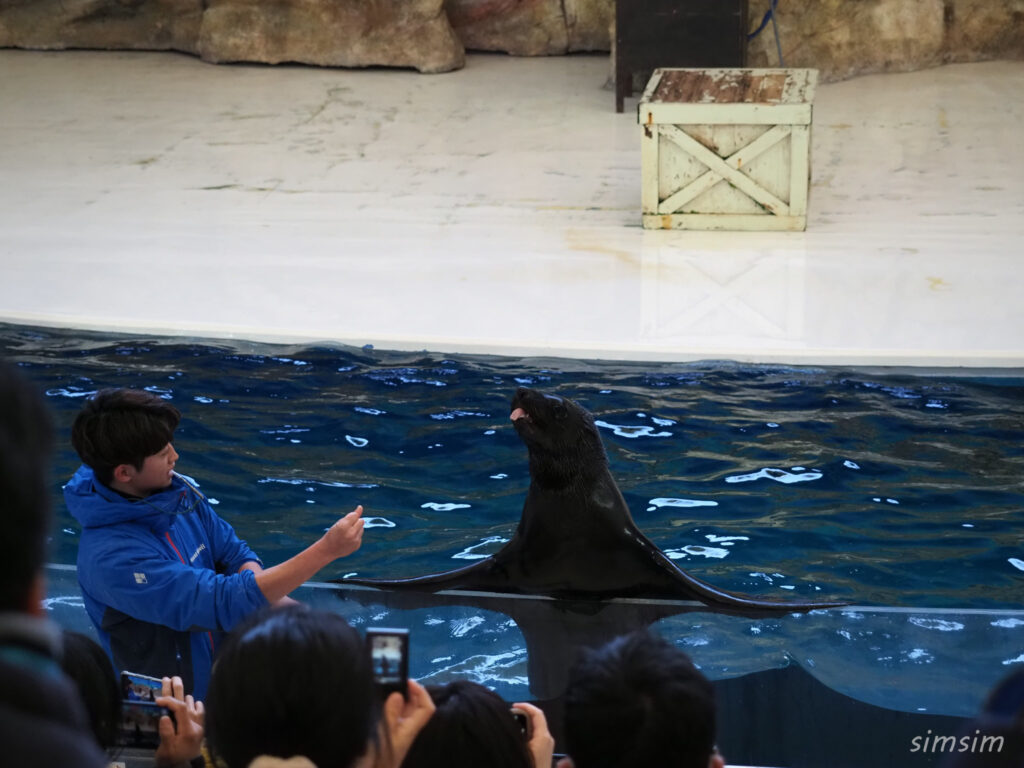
(93, 504)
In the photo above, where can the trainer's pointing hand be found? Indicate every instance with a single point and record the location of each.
(345, 536)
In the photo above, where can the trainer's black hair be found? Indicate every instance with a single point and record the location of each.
(122, 426)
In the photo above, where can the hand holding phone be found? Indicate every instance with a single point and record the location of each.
(538, 737)
(181, 735)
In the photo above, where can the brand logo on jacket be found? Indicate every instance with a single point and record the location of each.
(140, 578)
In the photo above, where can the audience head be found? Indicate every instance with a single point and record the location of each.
(292, 682)
(89, 667)
(1006, 700)
(472, 726)
(122, 426)
(995, 738)
(639, 701)
(26, 438)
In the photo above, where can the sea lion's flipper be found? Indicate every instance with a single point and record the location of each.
(719, 598)
(470, 577)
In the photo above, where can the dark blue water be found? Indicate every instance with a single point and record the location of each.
(869, 486)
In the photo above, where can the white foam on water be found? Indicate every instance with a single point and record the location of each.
(697, 551)
(469, 554)
(778, 475)
(632, 431)
(461, 627)
(306, 481)
(683, 503)
(936, 624)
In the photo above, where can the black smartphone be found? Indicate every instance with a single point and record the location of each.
(389, 659)
(523, 721)
(140, 724)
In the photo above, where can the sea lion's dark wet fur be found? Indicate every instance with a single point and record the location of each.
(576, 538)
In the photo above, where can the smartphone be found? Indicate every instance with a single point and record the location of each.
(140, 724)
(136, 687)
(523, 721)
(389, 659)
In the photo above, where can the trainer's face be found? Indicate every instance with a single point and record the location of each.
(155, 475)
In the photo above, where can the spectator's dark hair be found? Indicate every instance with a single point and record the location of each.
(89, 667)
(638, 701)
(122, 426)
(26, 439)
(996, 736)
(292, 681)
(472, 727)
(1006, 699)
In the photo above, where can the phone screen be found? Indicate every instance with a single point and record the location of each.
(140, 724)
(389, 658)
(136, 687)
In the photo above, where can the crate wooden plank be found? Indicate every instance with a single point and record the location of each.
(649, 163)
(707, 114)
(724, 222)
(731, 86)
(800, 173)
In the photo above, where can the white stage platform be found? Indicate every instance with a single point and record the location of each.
(497, 210)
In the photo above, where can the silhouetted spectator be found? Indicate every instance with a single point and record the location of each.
(293, 682)
(994, 739)
(474, 726)
(42, 720)
(86, 663)
(639, 702)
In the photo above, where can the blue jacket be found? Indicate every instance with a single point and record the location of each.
(160, 577)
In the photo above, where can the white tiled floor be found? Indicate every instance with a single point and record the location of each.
(496, 209)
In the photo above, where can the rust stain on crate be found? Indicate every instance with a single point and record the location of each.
(733, 87)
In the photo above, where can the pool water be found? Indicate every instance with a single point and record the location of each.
(900, 493)
(871, 487)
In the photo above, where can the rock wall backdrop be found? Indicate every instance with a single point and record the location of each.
(839, 37)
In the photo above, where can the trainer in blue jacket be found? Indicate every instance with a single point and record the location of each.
(162, 575)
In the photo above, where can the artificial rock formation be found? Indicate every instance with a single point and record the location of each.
(533, 27)
(843, 38)
(399, 33)
(151, 25)
(839, 37)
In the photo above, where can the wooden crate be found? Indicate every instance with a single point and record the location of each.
(726, 148)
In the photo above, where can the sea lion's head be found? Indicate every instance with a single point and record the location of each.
(559, 433)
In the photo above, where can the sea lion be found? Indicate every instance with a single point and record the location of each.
(576, 538)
